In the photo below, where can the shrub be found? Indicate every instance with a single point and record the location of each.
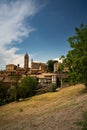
(27, 87)
(4, 88)
(12, 94)
(53, 88)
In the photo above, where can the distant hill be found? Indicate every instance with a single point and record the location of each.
(51, 111)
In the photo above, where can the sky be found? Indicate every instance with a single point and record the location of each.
(39, 27)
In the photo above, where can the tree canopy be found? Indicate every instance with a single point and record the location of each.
(76, 58)
(50, 64)
(28, 86)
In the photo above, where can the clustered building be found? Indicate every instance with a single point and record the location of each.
(36, 67)
(38, 70)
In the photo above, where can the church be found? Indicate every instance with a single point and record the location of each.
(36, 67)
(38, 70)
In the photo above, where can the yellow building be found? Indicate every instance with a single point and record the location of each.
(11, 67)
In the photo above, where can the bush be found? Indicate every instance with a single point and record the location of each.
(53, 88)
(4, 88)
(2, 102)
(12, 94)
(27, 87)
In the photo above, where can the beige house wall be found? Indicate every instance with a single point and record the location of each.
(11, 67)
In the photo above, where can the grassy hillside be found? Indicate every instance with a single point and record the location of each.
(51, 111)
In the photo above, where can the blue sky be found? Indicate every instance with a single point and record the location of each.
(40, 28)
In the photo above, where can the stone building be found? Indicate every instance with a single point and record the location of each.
(38, 67)
(11, 67)
(26, 61)
(56, 65)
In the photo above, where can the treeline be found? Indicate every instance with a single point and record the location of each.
(26, 88)
(23, 88)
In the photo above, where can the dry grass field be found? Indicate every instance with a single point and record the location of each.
(51, 111)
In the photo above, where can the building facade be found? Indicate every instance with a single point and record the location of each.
(37, 67)
(11, 67)
(56, 65)
(26, 61)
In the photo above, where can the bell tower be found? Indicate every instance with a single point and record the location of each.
(26, 61)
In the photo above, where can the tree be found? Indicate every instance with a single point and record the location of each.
(28, 87)
(60, 68)
(62, 64)
(50, 64)
(76, 58)
(62, 58)
(3, 93)
(15, 78)
(53, 88)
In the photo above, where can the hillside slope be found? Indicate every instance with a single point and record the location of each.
(51, 111)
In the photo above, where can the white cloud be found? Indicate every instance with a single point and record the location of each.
(13, 28)
(58, 59)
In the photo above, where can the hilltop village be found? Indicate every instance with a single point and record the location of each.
(38, 70)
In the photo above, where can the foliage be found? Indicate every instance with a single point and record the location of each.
(53, 88)
(8, 93)
(62, 65)
(24, 89)
(27, 87)
(3, 93)
(62, 58)
(12, 94)
(15, 92)
(50, 64)
(76, 59)
(60, 68)
(3, 90)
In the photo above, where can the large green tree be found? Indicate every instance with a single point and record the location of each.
(28, 87)
(76, 58)
(4, 88)
(15, 78)
(50, 64)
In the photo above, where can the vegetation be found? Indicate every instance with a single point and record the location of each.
(51, 111)
(50, 64)
(53, 88)
(28, 87)
(76, 59)
(4, 88)
(61, 67)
